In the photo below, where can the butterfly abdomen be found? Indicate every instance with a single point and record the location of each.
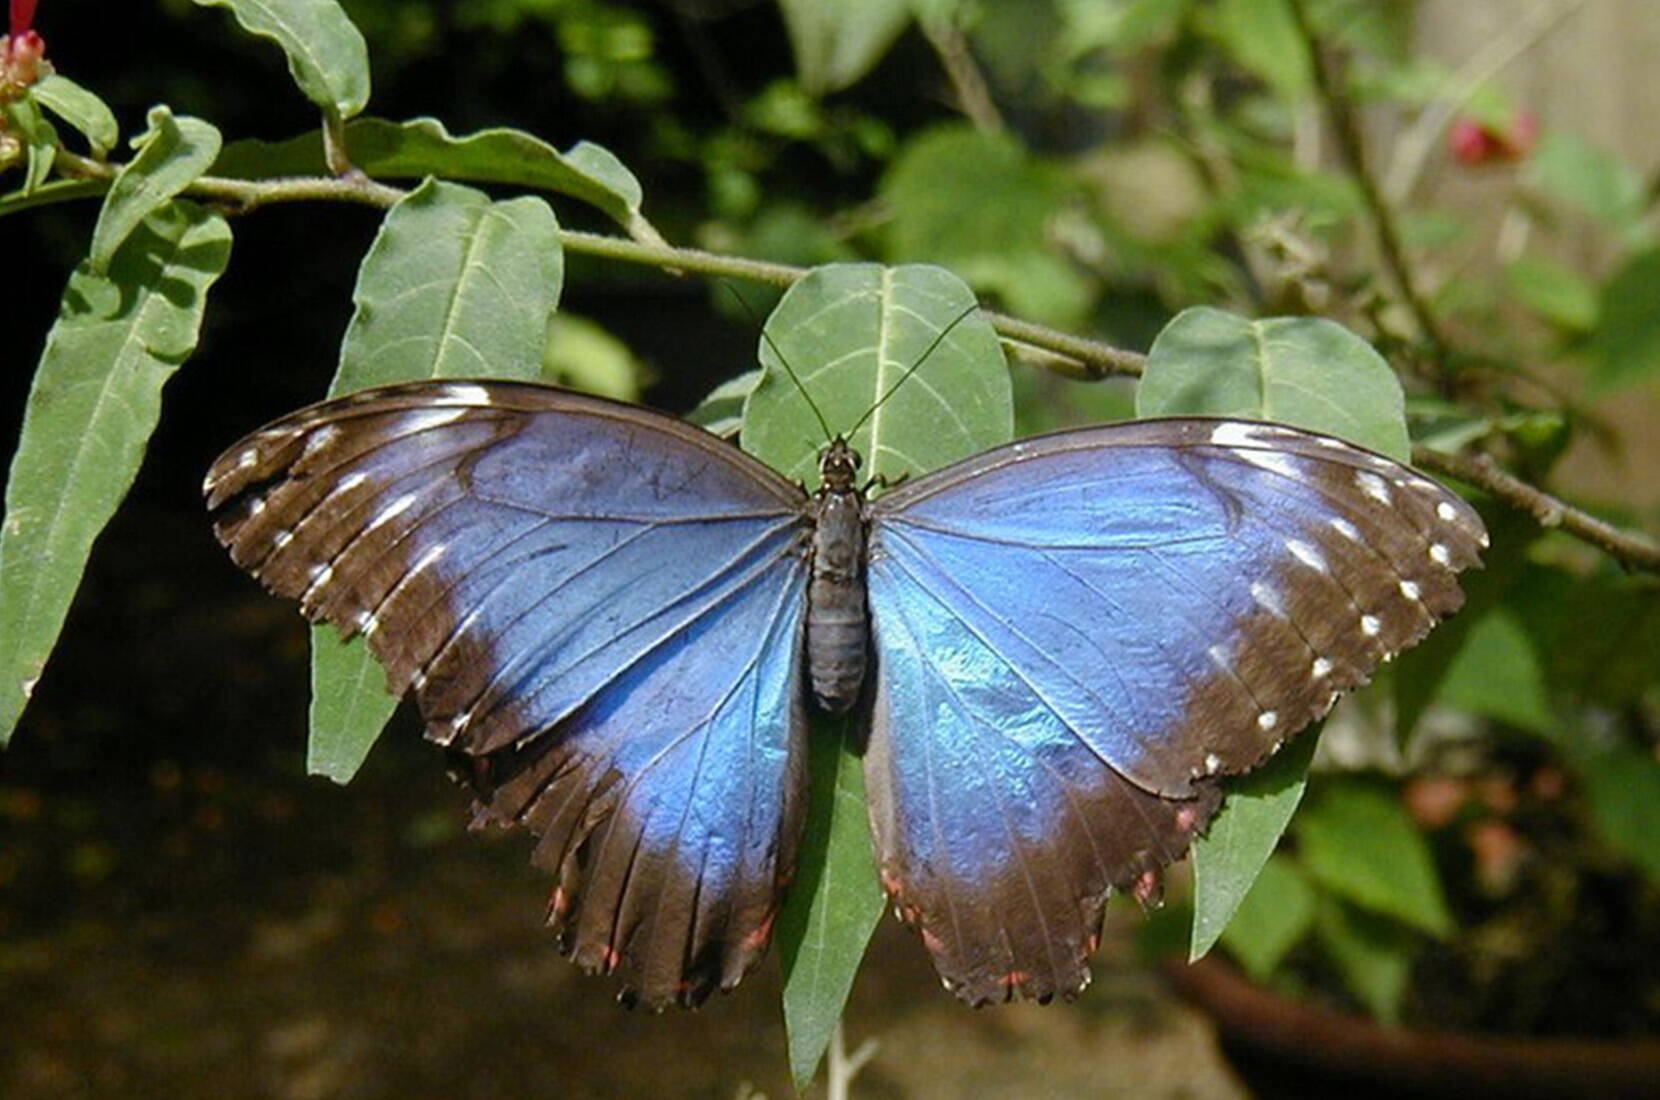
(838, 628)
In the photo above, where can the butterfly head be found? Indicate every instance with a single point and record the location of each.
(838, 466)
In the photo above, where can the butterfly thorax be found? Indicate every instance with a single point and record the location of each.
(837, 620)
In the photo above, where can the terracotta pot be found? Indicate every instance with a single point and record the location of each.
(1283, 1047)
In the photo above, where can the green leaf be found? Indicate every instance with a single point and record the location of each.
(850, 332)
(454, 286)
(171, 155)
(1625, 345)
(1263, 36)
(422, 147)
(582, 355)
(834, 903)
(1373, 954)
(1556, 293)
(980, 205)
(349, 704)
(1421, 671)
(326, 53)
(40, 139)
(81, 109)
(1622, 786)
(1357, 841)
(1304, 371)
(95, 400)
(722, 411)
(836, 44)
(1231, 854)
(1498, 674)
(1593, 182)
(1275, 915)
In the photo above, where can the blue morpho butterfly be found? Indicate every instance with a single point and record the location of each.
(608, 614)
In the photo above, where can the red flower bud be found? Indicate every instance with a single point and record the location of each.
(1474, 143)
(22, 58)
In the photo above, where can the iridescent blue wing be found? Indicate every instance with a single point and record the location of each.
(599, 610)
(1076, 633)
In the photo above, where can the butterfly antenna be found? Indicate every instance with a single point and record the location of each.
(914, 367)
(824, 425)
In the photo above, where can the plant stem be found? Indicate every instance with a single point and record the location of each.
(1083, 358)
(1340, 114)
(841, 1067)
(1632, 551)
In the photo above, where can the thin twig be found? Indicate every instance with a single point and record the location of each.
(973, 98)
(1340, 114)
(1632, 551)
(841, 1067)
(1092, 359)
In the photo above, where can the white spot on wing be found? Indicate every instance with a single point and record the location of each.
(1410, 590)
(468, 393)
(1213, 763)
(1306, 554)
(320, 438)
(1439, 555)
(282, 537)
(1369, 625)
(427, 557)
(1267, 599)
(391, 511)
(1321, 669)
(1220, 657)
(1345, 528)
(1234, 433)
(1267, 720)
(1446, 511)
(1275, 461)
(1373, 486)
(248, 459)
(422, 419)
(256, 506)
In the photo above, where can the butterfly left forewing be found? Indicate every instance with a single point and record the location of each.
(598, 609)
(1159, 603)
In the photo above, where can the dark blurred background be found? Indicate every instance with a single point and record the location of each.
(184, 913)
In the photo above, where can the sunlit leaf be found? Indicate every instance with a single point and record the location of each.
(81, 109)
(326, 53)
(1304, 371)
(454, 286)
(850, 332)
(171, 155)
(423, 147)
(834, 903)
(95, 399)
(1231, 854)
